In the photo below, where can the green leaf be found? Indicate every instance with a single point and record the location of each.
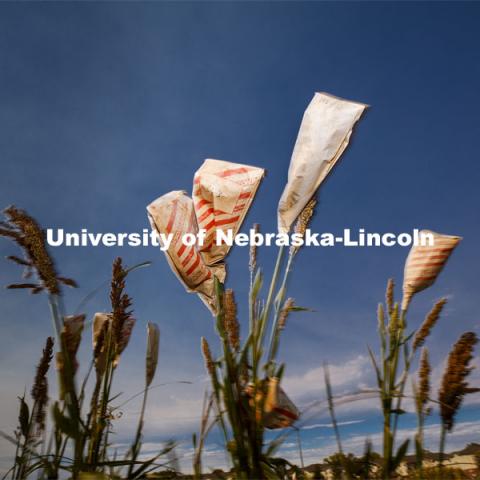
(377, 370)
(296, 308)
(62, 422)
(257, 284)
(401, 452)
(279, 298)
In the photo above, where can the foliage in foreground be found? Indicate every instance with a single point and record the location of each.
(79, 440)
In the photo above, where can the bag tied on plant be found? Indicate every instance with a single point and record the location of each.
(222, 195)
(71, 335)
(324, 134)
(424, 264)
(278, 410)
(173, 213)
(100, 331)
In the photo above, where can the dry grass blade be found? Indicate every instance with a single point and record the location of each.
(153, 341)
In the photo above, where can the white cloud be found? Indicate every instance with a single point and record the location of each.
(330, 425)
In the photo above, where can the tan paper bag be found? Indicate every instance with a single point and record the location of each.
(324, 134)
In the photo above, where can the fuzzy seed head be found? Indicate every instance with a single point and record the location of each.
(252, 263)
(287, 307)
(381, 318)
(231, 325)
(40, 384)
(428, 324)
(424, 380)
(29, 236)
(454, 385)
(389, 295)
(121, 304)
(207, 356)
(303, 221)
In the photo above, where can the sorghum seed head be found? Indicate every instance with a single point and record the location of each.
(207, 356)
(287, 307)
(428, 324)
(454, 386)
(252, 263)
(303, 221)
(424, 379)
(389, 295)
(40, 384)
(231, 325)
(29, 236)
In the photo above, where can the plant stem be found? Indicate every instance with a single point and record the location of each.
(443, 435)
(67, 379)
(300, 450)
(268, 304)
(136, 444)
(274, 338)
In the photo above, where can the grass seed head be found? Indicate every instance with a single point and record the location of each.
(207, 356)
(287, 307)
(252, 263)
(120, 302)
(381, 318)
(40, 384)
(454, 385)
(303, 221)
(231, 325)
(389, 295)
(428, 324)
(424, 380)
(394, 322)
(29, 236)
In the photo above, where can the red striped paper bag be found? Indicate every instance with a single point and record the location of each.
(222, 194)
(280, 411)
(424, 264)
(174, 213)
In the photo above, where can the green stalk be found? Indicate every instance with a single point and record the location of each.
(68, 380)
(331, 409)
(100, 414)
(274, 337)
(136, 444)
(441, 455)
(403, 380)
(300, 450)
(268, 304)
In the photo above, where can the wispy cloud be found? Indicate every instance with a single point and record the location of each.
(330, 425)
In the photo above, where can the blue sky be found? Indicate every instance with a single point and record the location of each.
(106, 106)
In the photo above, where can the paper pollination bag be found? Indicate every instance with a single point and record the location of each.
(324, 135)
(278, 410)
(173, 213)
(424, 264)
(101, 323)
(222, 195)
